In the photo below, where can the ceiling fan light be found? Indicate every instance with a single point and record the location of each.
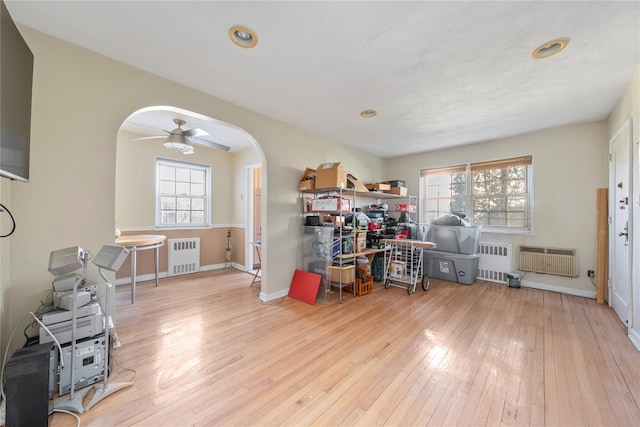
(178, 143)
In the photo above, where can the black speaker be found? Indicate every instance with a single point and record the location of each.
(27, 387)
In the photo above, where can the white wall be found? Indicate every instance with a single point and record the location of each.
(570, 163)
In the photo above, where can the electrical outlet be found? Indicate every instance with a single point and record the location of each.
(591, 273)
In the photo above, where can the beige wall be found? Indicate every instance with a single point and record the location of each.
(570, 163)
(213, 243)
(80, 100)
(5, 227)
(135, 181)
(135, 202)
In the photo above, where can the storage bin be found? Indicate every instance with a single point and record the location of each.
(461, 268)
(345, 274)
(362, 288)
(332, 204)
(325, 250)
(452, 238)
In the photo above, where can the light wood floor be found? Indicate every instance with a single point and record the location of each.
(207, 352)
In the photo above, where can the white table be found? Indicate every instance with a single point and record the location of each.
(141, 242)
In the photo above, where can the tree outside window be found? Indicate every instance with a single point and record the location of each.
(183, 194)
(495, 194)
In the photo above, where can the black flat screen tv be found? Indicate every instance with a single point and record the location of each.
(16, 81)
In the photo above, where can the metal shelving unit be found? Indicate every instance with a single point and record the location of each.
(319, 252)
(320, 248)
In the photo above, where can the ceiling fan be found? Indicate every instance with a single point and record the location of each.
(182, 140)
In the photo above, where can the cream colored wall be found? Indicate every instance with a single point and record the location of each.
(570, 163)
(628, 106)
(135, 181)
(5, 246)
(80, 100)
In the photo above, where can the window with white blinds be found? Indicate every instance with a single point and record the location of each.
(495, 194)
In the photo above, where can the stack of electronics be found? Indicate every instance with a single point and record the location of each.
(90, 335)
(75, 322)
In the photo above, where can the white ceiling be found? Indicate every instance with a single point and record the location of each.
(439, 73)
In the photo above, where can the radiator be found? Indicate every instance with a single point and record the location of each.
(561, 262)
(495, 262)
(184, 256)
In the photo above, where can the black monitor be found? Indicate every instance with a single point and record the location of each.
(16, 80)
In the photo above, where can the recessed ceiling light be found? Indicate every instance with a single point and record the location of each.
(549, 49)
(367, 114)
(243, 37)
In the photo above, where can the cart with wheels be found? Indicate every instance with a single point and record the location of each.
(404, 264)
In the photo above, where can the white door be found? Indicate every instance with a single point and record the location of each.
(620, 227)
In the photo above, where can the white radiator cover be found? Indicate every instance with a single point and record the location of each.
(495, 262)
(184, 256)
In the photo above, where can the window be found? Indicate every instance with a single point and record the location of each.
(495, 194)
(182, 194)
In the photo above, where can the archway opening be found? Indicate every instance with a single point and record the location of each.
(215, 213)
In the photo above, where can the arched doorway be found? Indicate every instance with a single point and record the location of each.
(140, 207)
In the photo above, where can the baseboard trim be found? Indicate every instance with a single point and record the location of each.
(561, 289)
(634, 336)
(164, 274)
(275, 295)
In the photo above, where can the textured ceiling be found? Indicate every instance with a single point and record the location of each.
(439, 73)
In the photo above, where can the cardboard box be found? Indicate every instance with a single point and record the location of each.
(331, 205)
(346, 272)
(354, 183)
(400, 191)
(338, 220)
(308, 180)
(378, 186)
(361, 241)
(331, 175)
(396, 269)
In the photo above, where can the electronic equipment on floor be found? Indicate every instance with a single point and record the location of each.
(90, 369)
(26, 387)
(66, 282)
(86, 326)
(66, 300)
(82, 329)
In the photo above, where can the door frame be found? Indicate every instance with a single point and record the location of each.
(248, 235)
(628, 129)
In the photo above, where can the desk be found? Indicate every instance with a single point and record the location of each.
(258, 245)
(140, 242)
